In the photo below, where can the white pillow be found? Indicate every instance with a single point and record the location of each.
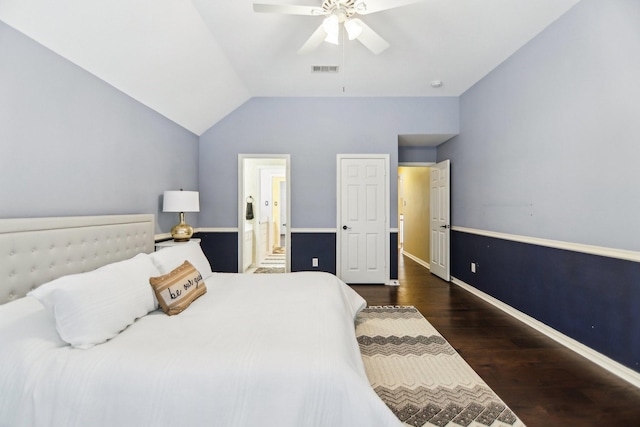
(168, 259)
(90, 308)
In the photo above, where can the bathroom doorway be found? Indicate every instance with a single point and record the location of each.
(264, 212)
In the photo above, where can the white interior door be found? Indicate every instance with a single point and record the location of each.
(440, 223)
(363, 238)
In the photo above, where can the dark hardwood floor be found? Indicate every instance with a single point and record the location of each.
(543, 382)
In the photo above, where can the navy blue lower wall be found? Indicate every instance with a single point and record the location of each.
(221, 248)
(393, 254)
(592, 299)
(305, 246)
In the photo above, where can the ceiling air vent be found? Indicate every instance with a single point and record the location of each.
(324, 68)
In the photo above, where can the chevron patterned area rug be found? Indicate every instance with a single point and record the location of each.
(420, 376)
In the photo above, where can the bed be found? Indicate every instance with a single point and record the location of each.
(82, 342)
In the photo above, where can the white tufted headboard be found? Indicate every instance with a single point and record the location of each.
(34, 251)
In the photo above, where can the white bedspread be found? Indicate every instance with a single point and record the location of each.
(255, 350)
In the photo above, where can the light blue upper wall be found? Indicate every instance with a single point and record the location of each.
(549, 142)
(71, 144)
(313, 131)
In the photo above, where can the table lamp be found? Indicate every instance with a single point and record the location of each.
(181, 201)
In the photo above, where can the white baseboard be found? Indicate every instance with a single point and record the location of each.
(416, 259)
(599, 359)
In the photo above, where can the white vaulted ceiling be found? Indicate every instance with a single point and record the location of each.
(196, 61)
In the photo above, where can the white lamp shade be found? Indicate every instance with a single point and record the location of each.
(181, 201)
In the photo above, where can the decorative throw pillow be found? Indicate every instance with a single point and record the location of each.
(178, 289)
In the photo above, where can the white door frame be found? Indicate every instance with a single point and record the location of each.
(241, 205)
(339, 222)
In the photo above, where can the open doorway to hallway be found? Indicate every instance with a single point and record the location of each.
(264, 209)
(414, 213)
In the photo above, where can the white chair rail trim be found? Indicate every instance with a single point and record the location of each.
(314, 230)
(164, 236)
(558, 244)
(236, 229)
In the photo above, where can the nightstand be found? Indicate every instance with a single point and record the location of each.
(167, 243)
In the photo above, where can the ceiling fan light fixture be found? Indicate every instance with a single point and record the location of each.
(331, 26)
(353, 29)
(333, 38)
(337, 12)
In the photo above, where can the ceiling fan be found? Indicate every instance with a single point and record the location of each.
(338, 12)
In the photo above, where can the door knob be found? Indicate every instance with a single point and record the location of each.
(344, 227)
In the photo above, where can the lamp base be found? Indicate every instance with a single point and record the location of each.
(182, 232)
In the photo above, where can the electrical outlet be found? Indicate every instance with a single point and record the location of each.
(473, 267)
(314, 262)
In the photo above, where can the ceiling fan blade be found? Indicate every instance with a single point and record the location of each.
(288, 9)
(365, 7)
(313, 42)
(371, 39)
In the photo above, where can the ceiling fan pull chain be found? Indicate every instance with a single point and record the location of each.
(344, 68)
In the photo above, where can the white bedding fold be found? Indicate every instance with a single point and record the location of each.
(258, 350)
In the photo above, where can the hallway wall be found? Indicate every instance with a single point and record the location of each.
(413, 202)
